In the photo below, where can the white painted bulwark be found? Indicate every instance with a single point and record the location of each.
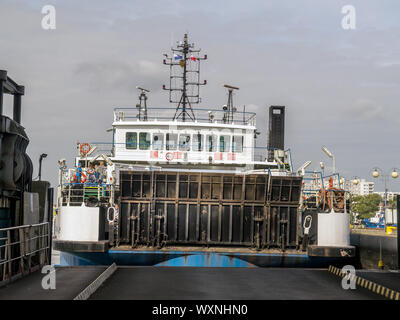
(333, 229)
(79, 223)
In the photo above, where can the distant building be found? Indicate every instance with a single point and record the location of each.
(363, 187)
(390, 195)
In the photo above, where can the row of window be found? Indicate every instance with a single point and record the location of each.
(186, 142)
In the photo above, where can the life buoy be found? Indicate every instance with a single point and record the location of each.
(83, 178)
(169, 156)
(84, 148)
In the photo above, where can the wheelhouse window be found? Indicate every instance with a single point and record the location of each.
(184, 142)
(144, 141)
(158, 141)
(237, 144)
(211, 143)
(131, 140)
(171, 141)
(224, 143)
(197, 142)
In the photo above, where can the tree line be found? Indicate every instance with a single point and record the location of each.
(366, 206)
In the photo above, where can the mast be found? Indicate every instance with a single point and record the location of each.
(184, 79)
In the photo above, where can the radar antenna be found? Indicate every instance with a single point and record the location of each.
(229, 108)
(184, 79)
(142, 105)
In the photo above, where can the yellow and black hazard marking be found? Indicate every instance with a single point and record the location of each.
(368, 284)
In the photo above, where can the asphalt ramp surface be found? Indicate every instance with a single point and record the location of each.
(184, 283)
(197, 283)
(70, 281)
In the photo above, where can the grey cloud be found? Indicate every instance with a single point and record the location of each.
(364, 109)
(119, 75)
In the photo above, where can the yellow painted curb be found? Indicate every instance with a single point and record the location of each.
(378, 291)
(368, 284)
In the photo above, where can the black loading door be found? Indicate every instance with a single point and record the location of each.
(209, 209)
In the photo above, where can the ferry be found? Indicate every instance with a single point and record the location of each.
(187, 186)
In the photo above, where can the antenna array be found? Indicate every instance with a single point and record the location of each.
(184, 80)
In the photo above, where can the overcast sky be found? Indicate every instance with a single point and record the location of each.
(341, 88)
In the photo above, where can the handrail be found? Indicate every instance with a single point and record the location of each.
(24, 226)
(78, 193)
(194, 109)
(31, 239)
(154, 113)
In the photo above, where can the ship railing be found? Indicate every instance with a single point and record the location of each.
(23, 249)
(200, 115)
(319, 181)
(325, 200)
(101, 148)
(324, 192)
(90, 194)
(68, 176)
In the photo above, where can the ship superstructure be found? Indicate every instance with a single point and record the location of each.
(194, 180)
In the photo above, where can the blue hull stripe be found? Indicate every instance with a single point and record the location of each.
(195, 259)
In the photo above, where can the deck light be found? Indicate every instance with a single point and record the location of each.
(330, 155)
(327, 152)
(303, 167)
(42, 156)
